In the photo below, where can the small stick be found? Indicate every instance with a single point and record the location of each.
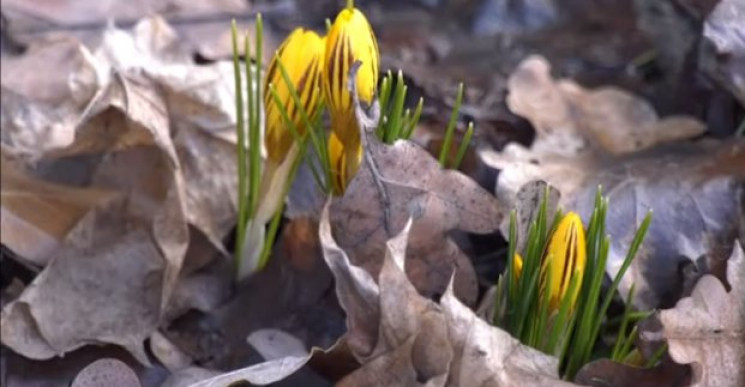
(367, 124)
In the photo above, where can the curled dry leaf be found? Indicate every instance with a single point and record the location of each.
(439, 200)
(698, 185)
(707, 329)
(148, 141)
(402, 338)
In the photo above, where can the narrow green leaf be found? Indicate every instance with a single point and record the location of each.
(624, 324)
(415, 119)
(463, 146)
(451, 128)
(240, 150)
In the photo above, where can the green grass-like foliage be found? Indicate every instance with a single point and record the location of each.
(570, 333)
(398, 123)
(248, 181)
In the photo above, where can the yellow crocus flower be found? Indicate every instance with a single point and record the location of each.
(302, 56)
(350, 39)
(567, 256)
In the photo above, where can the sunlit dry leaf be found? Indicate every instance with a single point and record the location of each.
(707, 330)
(569, 118)
(439, 200)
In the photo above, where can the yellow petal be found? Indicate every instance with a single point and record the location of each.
(567, 255)
(302, 55)
(350, 39)
(517, 266)
(345, 159)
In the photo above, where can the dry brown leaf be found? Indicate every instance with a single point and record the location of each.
(101, 294)
(417, 341)
(404, 339)
(569, 118)
(725, 61)
(37, 215)
(439, 200)
(106, 372)
(607, 373)
(707, 329)
(40, 108)
(157, 135)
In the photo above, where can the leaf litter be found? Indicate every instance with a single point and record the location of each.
(134, 106)
(122, 141)
(707, 329)
(610, 138)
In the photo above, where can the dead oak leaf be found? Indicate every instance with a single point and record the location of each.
(707, 329)
(570, 119)
(420, 342)
(439, 200)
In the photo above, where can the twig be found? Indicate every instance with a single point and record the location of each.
(367, 124)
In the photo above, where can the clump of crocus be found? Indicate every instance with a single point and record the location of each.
(551, 298)
(350, 39)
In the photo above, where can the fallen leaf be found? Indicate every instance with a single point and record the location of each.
(88, 296)
(417, 341)
(439, 200)
(40, 108)
(569, 118)
(37, 215)
(725, 62)
(607, 373)
(275, 344)
(707, 329)
(167, 353)
(694, 184)
(106, 372)
(155, 133)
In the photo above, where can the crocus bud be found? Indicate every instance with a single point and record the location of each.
(349, 40)
(567, 256)
(344, 160)
(301, 55)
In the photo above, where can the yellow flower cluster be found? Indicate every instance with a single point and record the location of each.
(318, 68)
